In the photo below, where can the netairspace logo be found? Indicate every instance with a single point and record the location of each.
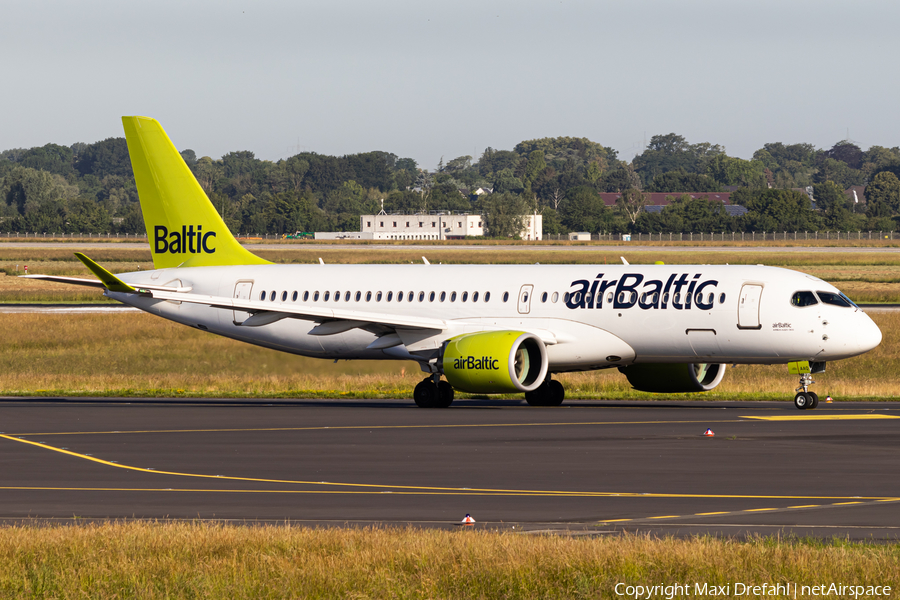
(740, 589)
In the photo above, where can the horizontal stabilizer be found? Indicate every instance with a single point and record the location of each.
(110, 281)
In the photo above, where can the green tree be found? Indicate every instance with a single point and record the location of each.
(682, 181)
(672, 152)
(728, 170)
(883, 195)
(778, 210)
(827, 194)
(534, 167)
(86, 215)
(503, 215)
(583, 210)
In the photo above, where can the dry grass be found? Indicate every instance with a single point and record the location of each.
(196, 560)
(135, 354)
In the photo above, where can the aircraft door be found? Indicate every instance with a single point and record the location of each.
(525, 299)
(242, 292)
(748, 307)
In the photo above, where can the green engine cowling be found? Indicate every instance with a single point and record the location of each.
(674, 378)
(495, 362)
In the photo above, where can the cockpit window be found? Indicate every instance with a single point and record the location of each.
(803, 299)
(835, 299)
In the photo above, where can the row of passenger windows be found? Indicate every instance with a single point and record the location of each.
(624, 297)
(379, 296)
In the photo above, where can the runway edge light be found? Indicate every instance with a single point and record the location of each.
(708, 433)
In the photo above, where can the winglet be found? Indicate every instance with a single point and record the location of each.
(112, 283)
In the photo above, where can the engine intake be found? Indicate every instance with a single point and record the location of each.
(495, 362)
(674, 378)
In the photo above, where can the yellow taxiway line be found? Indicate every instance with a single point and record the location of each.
(825, 417)
(388, 488)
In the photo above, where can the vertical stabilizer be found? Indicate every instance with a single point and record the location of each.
(183, 227)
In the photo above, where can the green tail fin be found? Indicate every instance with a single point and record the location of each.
(182, 226)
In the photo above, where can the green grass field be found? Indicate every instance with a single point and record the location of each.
(136, 354)
(195, 560)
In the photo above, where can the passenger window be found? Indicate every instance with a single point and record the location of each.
(399, 296)
(544, 297)
(465, 296)
(358, 296)
(609, 297)
(443, 296)
(326, 296)
(566, 297)
(294, 297)
(409, 297)
(554, 297)
(711, 299)
(722, 298)
(452, 296)
(337, 296)
(475, 297)
(272, 296)
(421, 296)
(306, 295)
(284, 296)
(347, 297)
(505, 296)
(378, 297)
(804, 299)
(368, 296)
(390, 296)
(316, 297)
(431, 297)
(487, 296)
(834, 299)
(262, 296)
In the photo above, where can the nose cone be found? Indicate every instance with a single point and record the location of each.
(868, 336)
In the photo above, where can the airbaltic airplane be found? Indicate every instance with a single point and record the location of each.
(484, 328)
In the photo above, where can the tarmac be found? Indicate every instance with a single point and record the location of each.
(585, 468)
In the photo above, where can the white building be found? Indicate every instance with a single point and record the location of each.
(437, 226)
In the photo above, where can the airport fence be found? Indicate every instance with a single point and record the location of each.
(729, 236)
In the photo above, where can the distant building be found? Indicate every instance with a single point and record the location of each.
(436, 226)
(856, 194)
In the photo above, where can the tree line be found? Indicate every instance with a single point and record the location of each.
(89, 188)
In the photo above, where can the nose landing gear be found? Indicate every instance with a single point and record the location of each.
(805, 400)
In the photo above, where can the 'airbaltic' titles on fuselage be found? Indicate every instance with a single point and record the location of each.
(187, 241)
(679, 291)
(476, 364)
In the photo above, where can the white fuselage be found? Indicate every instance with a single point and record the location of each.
(590, 316)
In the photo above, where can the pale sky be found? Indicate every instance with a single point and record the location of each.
(429, 79)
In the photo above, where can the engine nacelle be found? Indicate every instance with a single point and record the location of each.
(495, 362)
(674, 378)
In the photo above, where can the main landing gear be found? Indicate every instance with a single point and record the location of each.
(431, 392)
(805, 400)
(549, 393)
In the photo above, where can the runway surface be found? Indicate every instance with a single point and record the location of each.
(629, 247)
(585, 467)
